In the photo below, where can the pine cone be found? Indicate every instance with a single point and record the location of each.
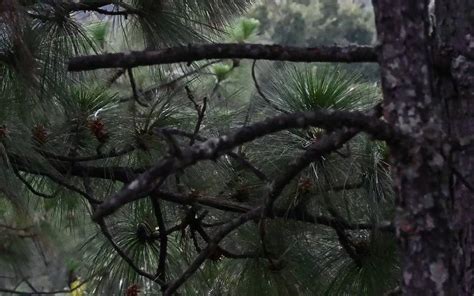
(97, 127)
(3, 132)
(40, 134)
(133, 290)
(305, 185)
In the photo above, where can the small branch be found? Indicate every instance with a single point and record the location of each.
(200, 110)
(237, 157)
(323, 146)
(30, 187)
(63, 183)
(163, 238)
(114, 173)
(117, 74)
(134, 88)
(211, 247)
(220, 203)
(260, 92)
(125, 257)
(225, 252)
(110, 154)
(186, 54)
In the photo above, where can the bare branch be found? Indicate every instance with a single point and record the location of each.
(186, 54)
(134, 88)
(236, 156)
(213, 148)
(260, 92)
(31, 187)
(200, 110)
(162, 236)
(111, 154)
(211, 247)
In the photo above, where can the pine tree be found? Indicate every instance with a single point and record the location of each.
(185, 164)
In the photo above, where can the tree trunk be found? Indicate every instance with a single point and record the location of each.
(421, 174)
(455, 40)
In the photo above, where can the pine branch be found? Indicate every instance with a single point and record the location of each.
(191, 53)
(125, 257)
(215, 147)
(162, 236)
(113, 173)
(236, 156)
(211, 247)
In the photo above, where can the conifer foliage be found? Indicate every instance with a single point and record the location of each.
(184, 164)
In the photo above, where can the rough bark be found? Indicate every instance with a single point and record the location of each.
(455, 39)
(191, 53)
(419, 170)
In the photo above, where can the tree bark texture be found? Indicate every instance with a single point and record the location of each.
(420, 169)
(454, 37)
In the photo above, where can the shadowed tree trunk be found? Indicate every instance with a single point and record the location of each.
(419, 170)
(428, 90)
(455, 39)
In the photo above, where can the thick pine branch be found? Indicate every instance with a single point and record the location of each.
(215, 147)
(191, 53)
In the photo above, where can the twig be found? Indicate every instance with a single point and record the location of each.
(260, 92)
(134, 88)
(163, 237)
(30, 187)
(125, 257)
(239, 158)
(114, 77)
(211, 247)
(326, 144)
(200, 110)
(110, 154)
(58, 180)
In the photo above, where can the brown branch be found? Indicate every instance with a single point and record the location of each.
(134, 88)
(110, 154)
(261, 211)
(210, 248)
(260, 92)
(214, 147)
(200, 110)
(125, 257)
(96, 7)
(227, 253)
(114, 173)
(237, 157)
(325, 145)
(220, 203)
(162, 236)
(348, 54)
(30, 187)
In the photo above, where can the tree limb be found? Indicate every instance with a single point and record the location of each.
(214, 147)
(190, 53)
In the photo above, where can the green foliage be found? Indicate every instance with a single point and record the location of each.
(221, 71)
(318, 22)
(244, 29)
(320, 87)
(53, 122)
